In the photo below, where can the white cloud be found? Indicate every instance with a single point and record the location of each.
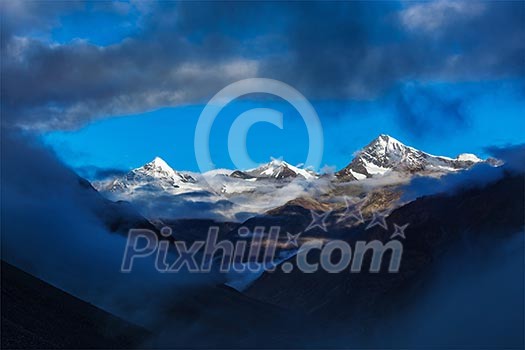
(431, 16)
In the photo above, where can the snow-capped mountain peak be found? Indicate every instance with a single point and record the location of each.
(158, 162)
(157, 167)
(275, 169)
(388, 142)
(385, 154)
(154, 174)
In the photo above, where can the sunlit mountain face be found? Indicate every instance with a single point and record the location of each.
(262, 174)
(383, 162)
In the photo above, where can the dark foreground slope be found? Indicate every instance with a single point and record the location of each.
(463, 254)
(37, 315)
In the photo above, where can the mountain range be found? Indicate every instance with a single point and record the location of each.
(384, 155)
(157, 190)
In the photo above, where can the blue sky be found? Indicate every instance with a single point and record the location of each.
(494, 117)
(113, 84)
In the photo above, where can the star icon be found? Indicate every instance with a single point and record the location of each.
(399, 231)
(318, 220)
(292, 239)
(378, 218)
(353, 210)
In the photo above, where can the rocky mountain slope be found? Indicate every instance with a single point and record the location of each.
(385, 154)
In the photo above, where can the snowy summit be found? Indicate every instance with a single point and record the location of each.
(386, 154)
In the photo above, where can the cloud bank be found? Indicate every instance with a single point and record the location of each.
(184, 52)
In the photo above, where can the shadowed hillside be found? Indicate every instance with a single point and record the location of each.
(37, 315)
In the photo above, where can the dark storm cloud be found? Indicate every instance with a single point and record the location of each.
(359, 49)
(62, 86)
(185, 52)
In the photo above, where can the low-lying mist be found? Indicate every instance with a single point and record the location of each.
(50, 230)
